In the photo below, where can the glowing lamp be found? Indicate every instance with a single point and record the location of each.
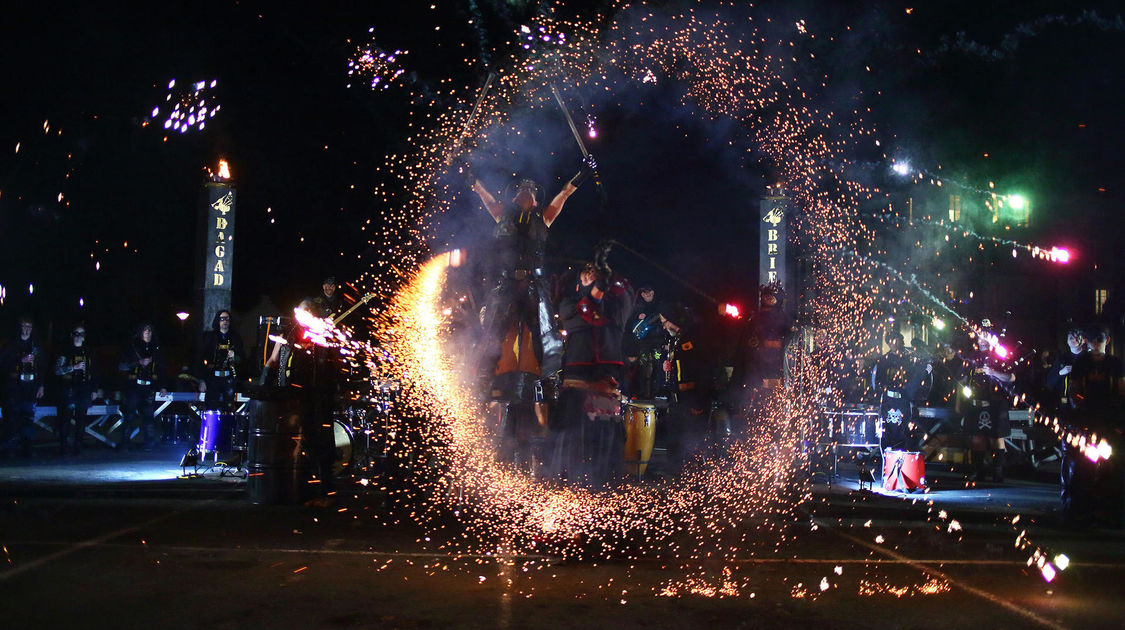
(730, 310)
(456, 257)
(938, 324)
(901, 168)
(1017, 202)
(1060, 255)
(182, 316)
(1000, 351)
(967, 391)
(1062, 562)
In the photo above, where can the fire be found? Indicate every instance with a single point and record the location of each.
(224, 170)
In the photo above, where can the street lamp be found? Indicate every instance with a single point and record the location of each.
(182, 316)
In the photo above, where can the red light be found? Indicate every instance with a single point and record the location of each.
(730, 310)
(1060, 255)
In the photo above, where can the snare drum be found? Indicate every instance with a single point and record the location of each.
(216, 432)
(640, 435)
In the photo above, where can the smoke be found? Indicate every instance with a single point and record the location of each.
(1011, 41)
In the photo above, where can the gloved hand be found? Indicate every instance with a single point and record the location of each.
(585, 171)
(462, 167)
(601, 257)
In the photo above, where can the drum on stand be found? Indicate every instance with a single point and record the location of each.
(216, 432)
(640, 435)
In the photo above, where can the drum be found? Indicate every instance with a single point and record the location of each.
(216, 432)
(856, 425)
(904, 470)
(640, 435)
(342, 435)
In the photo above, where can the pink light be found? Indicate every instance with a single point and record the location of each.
(1001, 351)
(1048, 571)
(593, 132)
(1060, 255)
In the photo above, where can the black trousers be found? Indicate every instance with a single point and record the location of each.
(19, 414)
(73, 405)
(317, 406)
(139, 407)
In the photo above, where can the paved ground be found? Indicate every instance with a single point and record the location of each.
(110, 540)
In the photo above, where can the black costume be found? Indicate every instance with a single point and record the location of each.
(985, 413)
(23, 380)
(519, 300)
(74, 369)
(645, 341)
(141, 383)
(897, 379)
(328, 307)
(314, 377)
(1093, 491)
(693, 386)
(589, 435)
(217, 367)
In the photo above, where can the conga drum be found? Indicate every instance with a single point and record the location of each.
(903, 470)
(640, 435)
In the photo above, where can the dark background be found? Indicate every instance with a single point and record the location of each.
(1023, 94)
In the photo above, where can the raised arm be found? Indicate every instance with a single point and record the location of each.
(495, 208)
(556, 205)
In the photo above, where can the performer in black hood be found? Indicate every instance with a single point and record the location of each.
(143, 365)
(221, 353)
(75, 371)
(24, 367)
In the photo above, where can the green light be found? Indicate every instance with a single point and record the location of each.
(939, 324)
(1017, 202)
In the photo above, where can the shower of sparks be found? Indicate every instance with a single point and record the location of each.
(375, 68)
(186, 107)
(719, 508)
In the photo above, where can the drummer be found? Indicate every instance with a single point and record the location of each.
(897, 377)
(588, 435)
(642, 344)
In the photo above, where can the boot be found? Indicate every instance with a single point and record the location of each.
(999, 458)
(979, 473)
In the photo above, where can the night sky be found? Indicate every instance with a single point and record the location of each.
(1023, 94)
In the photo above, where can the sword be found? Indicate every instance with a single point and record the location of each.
(472, 114)
(581, 145)
(570, 121)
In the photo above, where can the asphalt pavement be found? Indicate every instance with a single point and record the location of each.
(117, 540)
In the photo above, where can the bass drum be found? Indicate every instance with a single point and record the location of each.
(345, 448)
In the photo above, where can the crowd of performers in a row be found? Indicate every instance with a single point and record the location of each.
(71, 380)
(974, 388)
